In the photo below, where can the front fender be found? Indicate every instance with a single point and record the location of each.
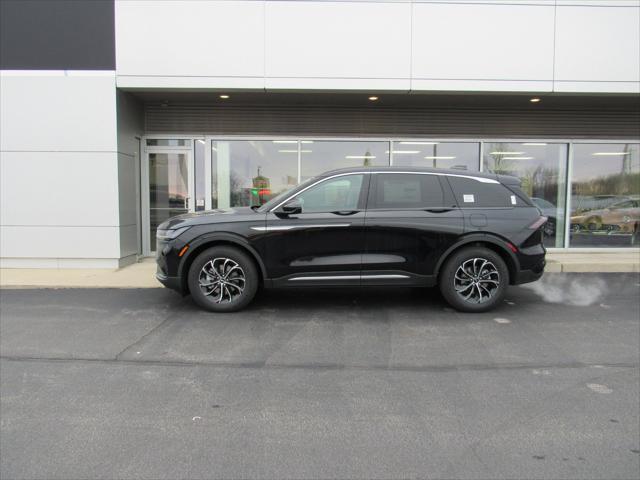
(220, 237)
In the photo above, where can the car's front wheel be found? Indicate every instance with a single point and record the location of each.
(474, 279)
(223, 279)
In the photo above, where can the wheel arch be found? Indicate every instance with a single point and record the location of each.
(213, 240)
(494, 243)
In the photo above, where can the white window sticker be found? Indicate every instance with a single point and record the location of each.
(513, 199)
(468, 199)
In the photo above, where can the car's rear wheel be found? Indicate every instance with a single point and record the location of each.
(474, 279)
(223, 279)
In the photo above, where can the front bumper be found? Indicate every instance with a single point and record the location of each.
(173, 283)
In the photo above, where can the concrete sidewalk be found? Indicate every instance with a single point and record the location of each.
(142, 274)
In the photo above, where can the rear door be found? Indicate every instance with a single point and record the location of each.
(412, 218)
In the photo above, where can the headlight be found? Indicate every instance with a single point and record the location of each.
(170, 234)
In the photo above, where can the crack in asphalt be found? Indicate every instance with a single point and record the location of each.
(327, 366)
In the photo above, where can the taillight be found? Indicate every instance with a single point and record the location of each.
(538, 223)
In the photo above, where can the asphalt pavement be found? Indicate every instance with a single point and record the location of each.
(344, 383)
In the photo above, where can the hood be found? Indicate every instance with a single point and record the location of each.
(219, 215)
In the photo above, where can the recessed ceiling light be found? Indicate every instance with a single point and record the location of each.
(373, 98)
(534, 144)
(439, 158)
(609, 154)
(358, 157)
(224, 97)
(284, 141)
(517, 158)
(506, 153)
(534, 100)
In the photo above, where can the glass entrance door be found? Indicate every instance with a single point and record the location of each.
(169, 185)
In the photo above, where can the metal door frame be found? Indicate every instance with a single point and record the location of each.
(148, 244)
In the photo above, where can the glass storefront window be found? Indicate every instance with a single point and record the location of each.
(200, 179)
(458, 155)
(317, 156)
(542, 169)
(605, 195)
(168, 188)
(251, 172)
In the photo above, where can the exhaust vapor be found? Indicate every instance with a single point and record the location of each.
(577, 291)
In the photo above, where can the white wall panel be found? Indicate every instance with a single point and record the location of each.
(597, 44)
(504, 43)
(59, 242)
(59, 188)
(355, 45)
(187, 38)
(52, 111)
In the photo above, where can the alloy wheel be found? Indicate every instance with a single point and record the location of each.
(476, 280)
(222, 279)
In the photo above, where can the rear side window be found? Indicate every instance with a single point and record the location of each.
(472, 193)
(401, 190)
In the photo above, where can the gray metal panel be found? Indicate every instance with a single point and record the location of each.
(57, 35)
(319, 120)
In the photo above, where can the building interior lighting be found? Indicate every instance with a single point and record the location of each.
(534, 144)
(284, 141)
(294, 151)
(517, 158)
(439, 157)
(224, 96)
(535, 100)
(403, 152)
(609, 154)
(373, 98)
(419, 143)
(506, 153)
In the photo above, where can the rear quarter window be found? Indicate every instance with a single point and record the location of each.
(472, 193)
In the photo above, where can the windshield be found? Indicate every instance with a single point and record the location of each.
(283, 195)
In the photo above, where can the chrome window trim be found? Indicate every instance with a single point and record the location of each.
(323, 179)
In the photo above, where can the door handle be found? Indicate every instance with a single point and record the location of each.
(438, 210)
(345, 212)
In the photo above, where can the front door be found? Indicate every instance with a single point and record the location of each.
(169, 185)
(322, 242)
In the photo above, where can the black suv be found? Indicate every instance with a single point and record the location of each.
(473, 234)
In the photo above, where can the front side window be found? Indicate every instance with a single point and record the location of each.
(393, 190)
(336, 194)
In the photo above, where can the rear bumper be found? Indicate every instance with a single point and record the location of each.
(528, 276)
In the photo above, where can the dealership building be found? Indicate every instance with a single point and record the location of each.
(116, 115)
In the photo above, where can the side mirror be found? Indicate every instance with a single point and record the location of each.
(292, 207)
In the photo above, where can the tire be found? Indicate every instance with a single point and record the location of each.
(222, 271)
(472, 270)
(593, 223)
